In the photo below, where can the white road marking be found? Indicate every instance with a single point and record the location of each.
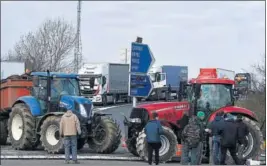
(63, 157)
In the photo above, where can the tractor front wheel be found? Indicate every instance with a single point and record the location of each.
(50, 137)
(168, 145)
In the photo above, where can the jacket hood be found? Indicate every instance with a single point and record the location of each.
(193, 120)
(68, 114)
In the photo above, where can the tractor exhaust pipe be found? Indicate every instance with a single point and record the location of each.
(48, 91)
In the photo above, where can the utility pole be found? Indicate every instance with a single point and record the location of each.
(78, 42)
(125, 55)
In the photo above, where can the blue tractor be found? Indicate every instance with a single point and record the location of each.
(35, 118)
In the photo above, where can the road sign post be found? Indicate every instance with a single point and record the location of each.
(140, 84)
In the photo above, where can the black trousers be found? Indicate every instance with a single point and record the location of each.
(153, 147)
(232, 151)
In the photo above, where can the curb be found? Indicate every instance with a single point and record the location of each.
(10, 157)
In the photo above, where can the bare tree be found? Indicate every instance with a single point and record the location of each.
(50, 47)
(256, 101)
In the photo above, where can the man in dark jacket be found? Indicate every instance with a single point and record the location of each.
(229, 137)
(242, 133)
(214, 127)
(153, 130)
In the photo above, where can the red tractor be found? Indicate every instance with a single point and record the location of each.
(209, 93)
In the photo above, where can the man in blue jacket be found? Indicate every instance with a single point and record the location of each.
(153, 130)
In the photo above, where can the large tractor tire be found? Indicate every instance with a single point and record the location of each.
(3, 132)
(131, 146)
(167, 150)
(50, 137)
(20, 127)
(254, 140)
(107, 136)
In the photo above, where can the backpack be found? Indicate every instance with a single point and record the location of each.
(191, 134)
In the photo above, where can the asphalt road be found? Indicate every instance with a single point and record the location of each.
(82, 162)
(115, 112)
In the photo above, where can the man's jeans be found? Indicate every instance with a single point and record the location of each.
(70, 143)
(216, 150)
(196, 154)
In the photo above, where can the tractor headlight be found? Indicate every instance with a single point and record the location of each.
(83, 111)
(135, 120)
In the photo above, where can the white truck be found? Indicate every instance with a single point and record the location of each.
(9, 68)
(105, 83)
(165, 76)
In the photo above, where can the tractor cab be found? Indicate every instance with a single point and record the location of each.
(209, 91)
(48, 88)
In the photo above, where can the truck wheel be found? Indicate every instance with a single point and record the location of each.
(80, 143)
(20, 127)
(254, 141)
(104, 100)
(3, 132)
(107, 136)
(50, 137)
(131, 146)
(167, 150)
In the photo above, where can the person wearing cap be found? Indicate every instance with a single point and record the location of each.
(229, 138)
(215, 142)
(153, 130)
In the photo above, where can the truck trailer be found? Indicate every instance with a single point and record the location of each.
(165, 76)
(105, 83)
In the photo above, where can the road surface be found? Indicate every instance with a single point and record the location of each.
(82, 162)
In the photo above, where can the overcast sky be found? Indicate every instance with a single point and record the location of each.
(228, 35)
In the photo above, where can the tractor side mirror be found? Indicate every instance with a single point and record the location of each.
(197, 90)
(35, 81)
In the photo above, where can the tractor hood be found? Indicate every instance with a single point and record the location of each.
(160, 106)
(69, 102)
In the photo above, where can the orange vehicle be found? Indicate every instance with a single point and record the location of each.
(210, 92)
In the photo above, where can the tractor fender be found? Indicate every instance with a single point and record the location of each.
(40, 122)
(235, 110)
(32, 103)
(169, 125)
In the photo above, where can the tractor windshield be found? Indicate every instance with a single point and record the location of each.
(216, 95)
(64, 86)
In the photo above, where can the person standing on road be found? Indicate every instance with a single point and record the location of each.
(69, 127)
(242, 133)
(192, 137)
(214, 127)
(229, 138)
(153, 130)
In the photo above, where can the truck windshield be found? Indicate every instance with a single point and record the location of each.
(64, 86)
(217, 95)
(152, 76)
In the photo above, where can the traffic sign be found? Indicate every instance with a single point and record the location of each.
(141, 58)
(140, 85)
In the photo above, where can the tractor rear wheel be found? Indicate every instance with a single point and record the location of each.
(3, 132)
(254, 141)
(107, 136)
(168, 145)
(20, 127)
(50, 137)
(80, 143)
